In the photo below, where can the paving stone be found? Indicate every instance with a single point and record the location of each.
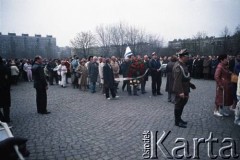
(87, 126)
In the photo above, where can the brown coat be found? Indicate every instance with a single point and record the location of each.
(223, 81)
(206, 66)
(82, 69)
(181, 84)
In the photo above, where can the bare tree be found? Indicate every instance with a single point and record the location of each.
(131, 37)
(236, 39)
(104, 38)
(83, 42)
(155, 42)
(225, 32)
(118, 40)
(226, 42)
(198, 41)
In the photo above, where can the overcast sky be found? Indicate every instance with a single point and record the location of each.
(169, 18)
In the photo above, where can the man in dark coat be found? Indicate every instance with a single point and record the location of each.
(156, 74)
(41, 86)
(108, 80)
(93, 74)
(52, 72)
(145, 77)
(5, 96)
(124, 68)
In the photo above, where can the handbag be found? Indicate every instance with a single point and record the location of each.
(234, 78)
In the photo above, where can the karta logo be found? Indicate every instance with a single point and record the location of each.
(152, 144)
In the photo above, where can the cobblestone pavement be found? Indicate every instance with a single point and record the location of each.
(83, 125)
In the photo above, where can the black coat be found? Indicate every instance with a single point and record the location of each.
(5, 97)
(93, 71)
(39, 76)
(154, 65)
(108, 76)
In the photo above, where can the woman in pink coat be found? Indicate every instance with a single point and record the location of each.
(223, 81)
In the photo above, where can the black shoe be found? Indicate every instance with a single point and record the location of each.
(181, 125)
(144, 92)
(7, 120)
(169, 100)
(154, 94)
(47, 112)
(159, 94)
(184, 122)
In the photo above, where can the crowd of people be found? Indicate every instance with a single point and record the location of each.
(87, 74)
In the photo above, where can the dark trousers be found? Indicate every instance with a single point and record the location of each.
(74, 80)
(179, 106)
(53, 75)
(156, 82)
(171, 97)
(129, 88)
(115, 86)
(2, 117)
(111, 90)
(124, 84)
(41, 99)
(6, 113)
(143, 84)
(14, 79)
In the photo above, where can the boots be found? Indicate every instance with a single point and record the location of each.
(180, 112)
(178, 122)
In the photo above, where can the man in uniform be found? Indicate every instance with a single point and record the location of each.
(181, 86)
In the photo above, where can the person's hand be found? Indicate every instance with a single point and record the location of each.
(181, 95)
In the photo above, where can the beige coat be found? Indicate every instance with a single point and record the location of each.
(115, 68)
(82, 69)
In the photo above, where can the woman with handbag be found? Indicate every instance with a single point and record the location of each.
(223, 86)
